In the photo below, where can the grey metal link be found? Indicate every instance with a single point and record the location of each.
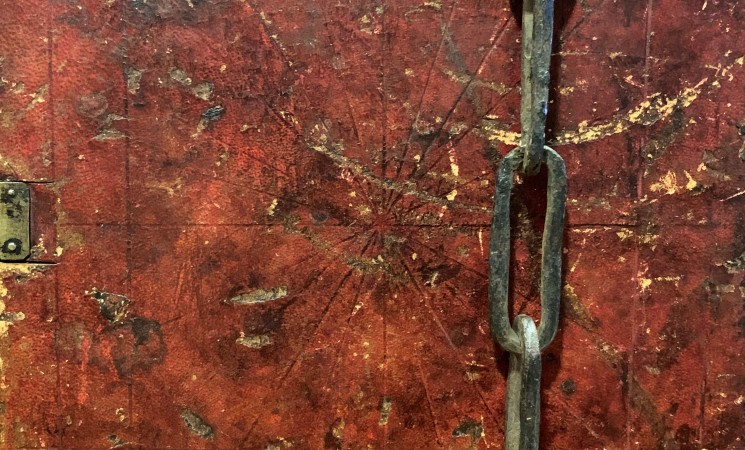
(538, 29)
(522, 339)
(499, 251)
(524, 389)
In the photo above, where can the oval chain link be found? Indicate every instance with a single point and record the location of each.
(522, 338)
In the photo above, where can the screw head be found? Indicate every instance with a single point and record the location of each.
(12, 246)
(11, 192)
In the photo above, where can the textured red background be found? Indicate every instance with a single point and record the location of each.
(340, 155)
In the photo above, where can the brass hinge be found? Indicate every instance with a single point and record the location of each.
(15, 217)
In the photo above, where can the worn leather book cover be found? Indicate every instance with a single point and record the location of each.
(265, 224)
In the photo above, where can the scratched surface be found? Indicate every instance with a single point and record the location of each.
(262, 224)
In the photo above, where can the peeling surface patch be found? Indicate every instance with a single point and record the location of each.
(385, 411)
(197, 425)
(470, 428)
(113, 307)
(256, 341)
(259, 296)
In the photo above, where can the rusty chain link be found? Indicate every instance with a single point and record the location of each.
(522, 339)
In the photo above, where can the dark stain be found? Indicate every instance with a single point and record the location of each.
(568, 386)
(434, 275)
(334, 437)
(686, 438)
(657, 146)
(729, 426)
(113, 307)
(266, 321)
(69, 340)
(630, 8)
(319, 216)
(740, 129)
(673, 409)
(92, 106)
(138, 346)
(148, 12)
(214, 113)
(675, 336)
(462, 333)
(468, 427)
(197, 425)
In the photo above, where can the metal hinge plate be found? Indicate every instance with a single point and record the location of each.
(15, 217)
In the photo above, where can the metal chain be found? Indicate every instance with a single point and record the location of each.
(522, 339)
(538, 30)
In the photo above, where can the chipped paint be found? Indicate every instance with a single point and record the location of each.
(259, 296)
(668, 184)
(386, 405)
(272, 206)
(645, 283)
(692, 183)
(197, 425)
(254, 341)
(652, 110)
(134, 77)
(469, 80)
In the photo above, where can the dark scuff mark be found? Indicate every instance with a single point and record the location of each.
(214, 114)
(568, 386)
(139, 346)
(675, 336)
(209, 116)
(469, 428)
(113, 307)
(116, 441)
(334, 438)
(136, 343)
(197, 425)
(11, 317)
(735, 265)
(658, 146)
(92, 106)
(145, 13)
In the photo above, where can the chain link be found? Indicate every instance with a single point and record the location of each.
(538, 29)
(522, 338)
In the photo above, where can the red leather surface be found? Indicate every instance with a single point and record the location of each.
(271, 218)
